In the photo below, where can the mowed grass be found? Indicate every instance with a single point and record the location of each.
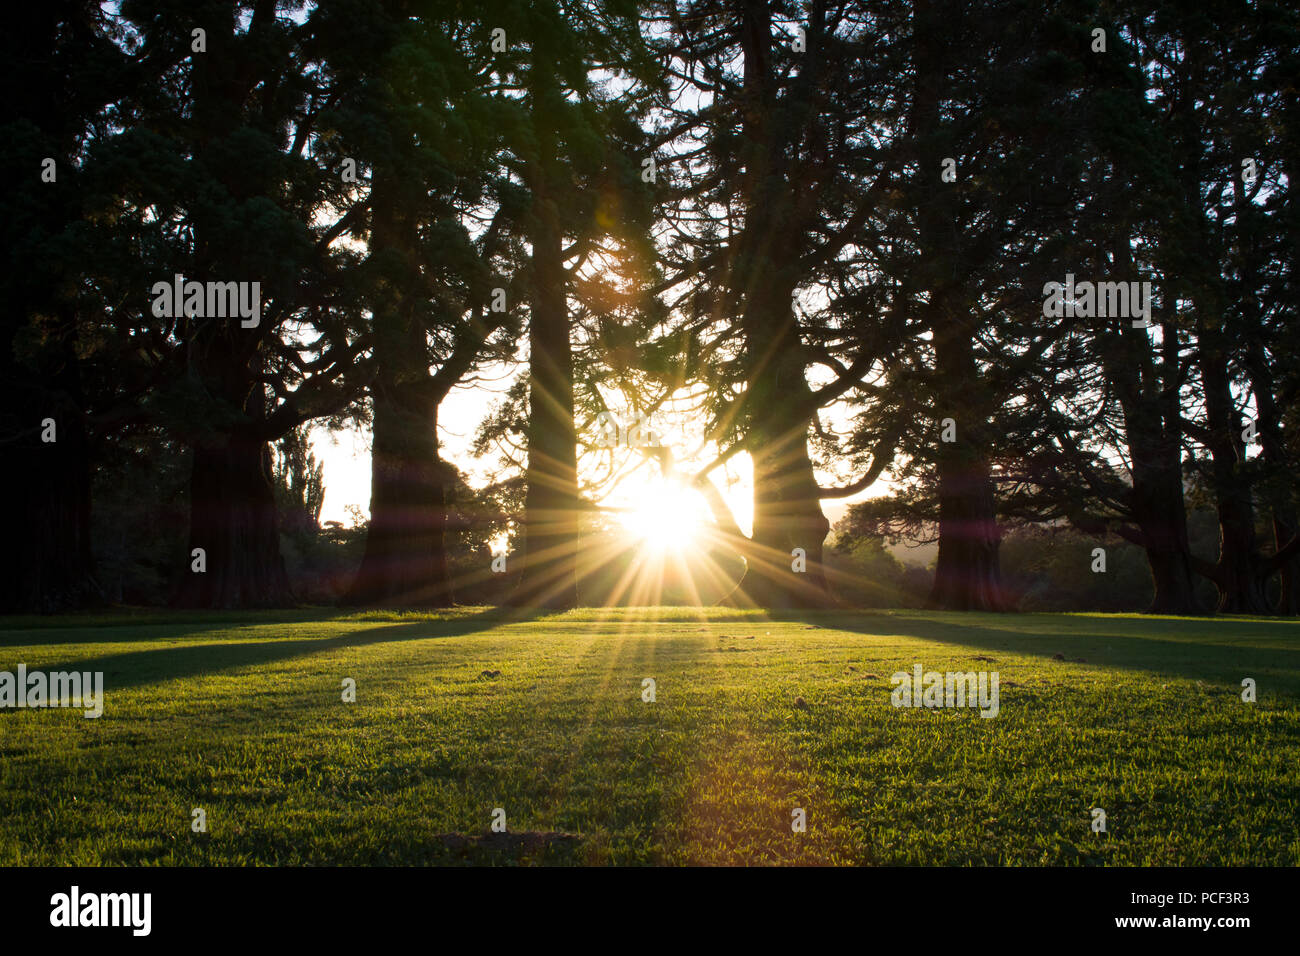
(242, 716)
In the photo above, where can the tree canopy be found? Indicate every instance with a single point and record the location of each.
(990, 272)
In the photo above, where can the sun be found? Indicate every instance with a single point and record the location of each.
(666, 517)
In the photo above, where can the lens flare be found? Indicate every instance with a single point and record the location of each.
(666, 517)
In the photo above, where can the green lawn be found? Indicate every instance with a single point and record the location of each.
(242, 715)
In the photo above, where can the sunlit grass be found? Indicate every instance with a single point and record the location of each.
(241, 714)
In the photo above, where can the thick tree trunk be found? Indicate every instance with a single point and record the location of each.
(1286, 522)
(784, 556)
(1238, 575)
(968, 571)
(968, 574)
(46, 565)
(785, 568)
(1161, 518)
(1277, 489)
(1174, 582)
(405, 561)
(1156, 501)
(551, 505)
(233, 520)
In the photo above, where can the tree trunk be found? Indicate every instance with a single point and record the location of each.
(551, 505)
(405, 562)
(783, 555)
(1151, 426)
(1161, 517)
(1286, 522)
(968, 571)
(1174, 582)
(785, 568)
(47, 564)
(233, 519)
(1238, 575)
(1285, 527)
(1277, 489)
(787, 506)
(968, 574)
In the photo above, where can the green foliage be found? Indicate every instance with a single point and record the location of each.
(299, 482)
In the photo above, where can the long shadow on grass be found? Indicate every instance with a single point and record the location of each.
(137, 668)
(1115, 646)
(125, 624)
(133, 626)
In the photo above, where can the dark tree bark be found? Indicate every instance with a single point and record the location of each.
(405, 561)
(1148, 393)
(1285, 528)
(1239, 575)
(551, 505)
(968, 573)
(1277, 489)
(1152, 412)
(1173, 580)
(1160, 514)
(787, 516)
(1155, 506)
(787, 506)
(1286, 522)
(233, 513)
(233, 519)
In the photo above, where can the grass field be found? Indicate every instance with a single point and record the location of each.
(462, 712)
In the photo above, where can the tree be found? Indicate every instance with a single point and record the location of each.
(217, 179)
(778, 168)
(418, 118)
(299, 482)
(566, 152)
(985, 101)
(63, 60)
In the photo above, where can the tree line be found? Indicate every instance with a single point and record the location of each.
(1040, 257)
